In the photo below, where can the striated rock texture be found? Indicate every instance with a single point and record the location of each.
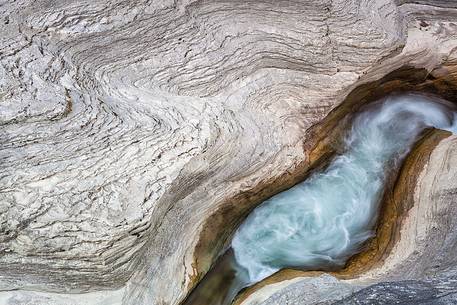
(127, 128)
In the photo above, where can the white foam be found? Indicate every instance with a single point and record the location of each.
(324, 220)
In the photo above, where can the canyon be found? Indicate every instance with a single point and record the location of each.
(136, 136)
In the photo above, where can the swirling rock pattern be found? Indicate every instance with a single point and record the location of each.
(124, 125)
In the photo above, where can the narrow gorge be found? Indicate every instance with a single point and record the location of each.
(321, 222)
(228, 152)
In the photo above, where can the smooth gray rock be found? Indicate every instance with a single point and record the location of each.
(436, 292)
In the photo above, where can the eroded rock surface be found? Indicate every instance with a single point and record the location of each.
(125, 125)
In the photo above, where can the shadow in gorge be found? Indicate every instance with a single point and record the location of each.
(220, 285)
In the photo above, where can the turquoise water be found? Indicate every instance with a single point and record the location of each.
(324, 220)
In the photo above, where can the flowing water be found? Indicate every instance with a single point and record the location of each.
(322, 221)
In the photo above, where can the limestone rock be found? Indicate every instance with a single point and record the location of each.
(126, 125)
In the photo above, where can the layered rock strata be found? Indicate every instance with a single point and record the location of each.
(135, 135)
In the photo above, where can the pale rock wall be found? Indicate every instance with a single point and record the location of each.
(125, 124)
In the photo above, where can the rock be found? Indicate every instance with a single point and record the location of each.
(306, 290)
(136, 134)
(437, 292)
